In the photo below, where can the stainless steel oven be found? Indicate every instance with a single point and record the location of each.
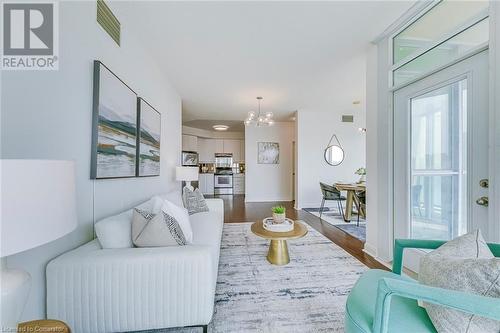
(223, 184)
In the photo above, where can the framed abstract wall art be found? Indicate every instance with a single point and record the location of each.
(114, 126)
(268, 153)
(148, 141)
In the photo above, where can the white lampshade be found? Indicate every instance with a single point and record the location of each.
(38, 203)
(186, 173)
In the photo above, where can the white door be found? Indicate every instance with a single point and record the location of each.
(441, 154)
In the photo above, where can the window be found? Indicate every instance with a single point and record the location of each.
(431, 27)
(444, 53)
(446, 32)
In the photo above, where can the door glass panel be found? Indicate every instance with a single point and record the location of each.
(439, 163)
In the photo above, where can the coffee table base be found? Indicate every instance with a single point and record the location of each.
(278, 252)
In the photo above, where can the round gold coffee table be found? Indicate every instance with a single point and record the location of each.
(278, 249)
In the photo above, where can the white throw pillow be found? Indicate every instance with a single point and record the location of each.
(182, 217)
(463, 264)
(174, 197)
(153, 230)
(114, 232)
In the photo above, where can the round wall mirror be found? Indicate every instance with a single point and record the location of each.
(334, 155)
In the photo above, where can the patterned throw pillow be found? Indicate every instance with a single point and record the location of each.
(463, 264)
(194, 201)
(155, 230)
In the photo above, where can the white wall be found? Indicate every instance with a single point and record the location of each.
(314, 129)
(372, 150)
(269, 182)
(47, 115)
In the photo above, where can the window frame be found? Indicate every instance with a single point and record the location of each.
(466, 25)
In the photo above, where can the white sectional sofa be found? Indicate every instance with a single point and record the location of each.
(130, 289)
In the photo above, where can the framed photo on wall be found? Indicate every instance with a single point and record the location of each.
(268, 153)
(114, 126)
(149, 139)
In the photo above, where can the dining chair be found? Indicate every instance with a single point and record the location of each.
(415, 199)
(360, 203)
(331, 193)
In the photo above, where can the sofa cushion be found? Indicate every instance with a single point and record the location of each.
(114, 232)
(181, 217)
(194, 201)
(152, 230)
(405, 315)
(463, 264)
(207, 230)
(174, 197)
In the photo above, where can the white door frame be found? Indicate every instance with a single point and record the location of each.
(475, 71)
(382, 245)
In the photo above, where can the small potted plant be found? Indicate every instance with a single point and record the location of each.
(362, 173)
(279, 214)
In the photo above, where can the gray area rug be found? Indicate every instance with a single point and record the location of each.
(332, 216)
(307, 295)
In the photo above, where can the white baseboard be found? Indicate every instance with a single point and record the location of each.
(372, 251)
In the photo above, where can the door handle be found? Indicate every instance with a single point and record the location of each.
(483, 201)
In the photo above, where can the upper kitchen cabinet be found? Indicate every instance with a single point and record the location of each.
(233, 147)
(206, 150)
(219, 145)
(189, 143)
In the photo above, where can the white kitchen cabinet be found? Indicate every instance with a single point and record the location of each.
(206, 183)
(219, 145)
(233, 147)
(239, 183)
(206, 150)
(189, 142)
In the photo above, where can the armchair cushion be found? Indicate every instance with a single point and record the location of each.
(463, 264)
(406, 315)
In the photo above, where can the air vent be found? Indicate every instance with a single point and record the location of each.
(108, 21)
(347, 118)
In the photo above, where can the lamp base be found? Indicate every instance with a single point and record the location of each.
(16, 285)
(189, 186)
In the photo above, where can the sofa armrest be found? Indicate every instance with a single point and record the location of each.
(119, 290)
(471, 303)
(216, 205)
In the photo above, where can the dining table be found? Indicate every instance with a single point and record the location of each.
(352, 198)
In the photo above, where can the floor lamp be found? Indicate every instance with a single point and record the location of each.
(38, 206)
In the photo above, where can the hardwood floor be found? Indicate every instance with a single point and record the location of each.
(237, 211)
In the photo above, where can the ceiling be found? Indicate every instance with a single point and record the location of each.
(297, 55)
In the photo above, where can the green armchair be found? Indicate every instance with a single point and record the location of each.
(386, 302)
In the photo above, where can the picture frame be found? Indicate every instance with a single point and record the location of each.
(148, 139)
(268, 153)
(114, 126)
(189, 158)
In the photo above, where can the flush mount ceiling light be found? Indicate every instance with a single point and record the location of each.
(220, 127)
(258, 119)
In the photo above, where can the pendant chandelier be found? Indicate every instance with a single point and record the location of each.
(258, 119)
